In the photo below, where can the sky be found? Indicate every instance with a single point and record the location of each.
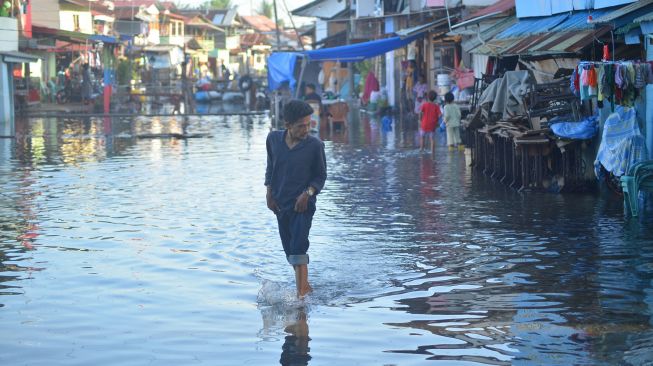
(245, 6)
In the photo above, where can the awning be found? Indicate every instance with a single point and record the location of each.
(104, 18)
(60, 34)
(103, 39)
(18, 57)
(281, 65)
(161, 48)
(553, 43)
(359, 51)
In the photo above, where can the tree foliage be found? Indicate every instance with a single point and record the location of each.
(217, 4)
(266, 9)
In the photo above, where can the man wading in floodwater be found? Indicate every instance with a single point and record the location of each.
(295, 174)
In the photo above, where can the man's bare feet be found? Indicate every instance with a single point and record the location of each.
(305, 290)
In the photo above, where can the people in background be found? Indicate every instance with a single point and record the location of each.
(371, 85)
(52, 87)
(310, 94)
(429, 115)
(452, 121)
(419, 93)
(87, 89)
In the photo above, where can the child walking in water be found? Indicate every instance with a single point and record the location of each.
(430, 114)
(452, 120)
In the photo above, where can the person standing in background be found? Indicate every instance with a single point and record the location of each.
(429, 115)
(452, 121)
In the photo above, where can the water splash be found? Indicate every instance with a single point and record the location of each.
(280, 295)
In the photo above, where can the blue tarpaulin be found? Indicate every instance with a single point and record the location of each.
(103, 38)
(359, 51)
(281, 65)
(585, 129)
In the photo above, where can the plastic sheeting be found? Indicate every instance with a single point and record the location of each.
(622, 144)
(507, 93)
(583, 130)
(281, 68)
(281, 65)
(360, 51)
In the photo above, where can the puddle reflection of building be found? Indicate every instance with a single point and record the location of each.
(292, 322)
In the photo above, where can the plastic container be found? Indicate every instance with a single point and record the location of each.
(443, 80)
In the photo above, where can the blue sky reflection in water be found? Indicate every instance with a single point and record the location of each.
(124, 250)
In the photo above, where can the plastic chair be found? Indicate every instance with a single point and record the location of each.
(639, 178)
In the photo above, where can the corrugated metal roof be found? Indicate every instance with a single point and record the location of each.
(500, 7)
(646, 27)
(530, 26)
(259, 23)
(578, 20)
(555, 23)
(488, 33)
(620, 12)
(324, 9)
(644, 18)
(541, 44)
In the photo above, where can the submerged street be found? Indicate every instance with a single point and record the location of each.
(116, 249)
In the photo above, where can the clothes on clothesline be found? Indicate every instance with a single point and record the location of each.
(617, 82)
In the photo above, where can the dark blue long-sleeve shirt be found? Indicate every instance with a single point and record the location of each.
(291, 171)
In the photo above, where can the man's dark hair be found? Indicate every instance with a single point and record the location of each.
(311, 86)
(295, 110)
(432, 95)
(448, 97)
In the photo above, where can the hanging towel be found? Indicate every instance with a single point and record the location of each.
(640, 75)
(591, 81)
(600, 76)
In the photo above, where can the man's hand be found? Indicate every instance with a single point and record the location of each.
(272, 204)
(302, 202)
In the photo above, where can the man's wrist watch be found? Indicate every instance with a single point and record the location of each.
(310, 191)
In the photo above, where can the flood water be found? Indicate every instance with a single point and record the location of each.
(119, 250)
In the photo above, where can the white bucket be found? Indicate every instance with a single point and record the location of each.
(443, 80)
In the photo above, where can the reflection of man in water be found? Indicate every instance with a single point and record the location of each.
(294, 351)
(295, 174)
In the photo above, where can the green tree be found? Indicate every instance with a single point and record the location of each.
(266, 9)
(217, 4)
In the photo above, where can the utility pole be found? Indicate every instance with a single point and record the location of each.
(276, 24)
(350, 68)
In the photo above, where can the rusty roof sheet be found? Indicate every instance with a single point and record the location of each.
(260, 23)
(251, 39)
(498, 7)
(541, 44)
